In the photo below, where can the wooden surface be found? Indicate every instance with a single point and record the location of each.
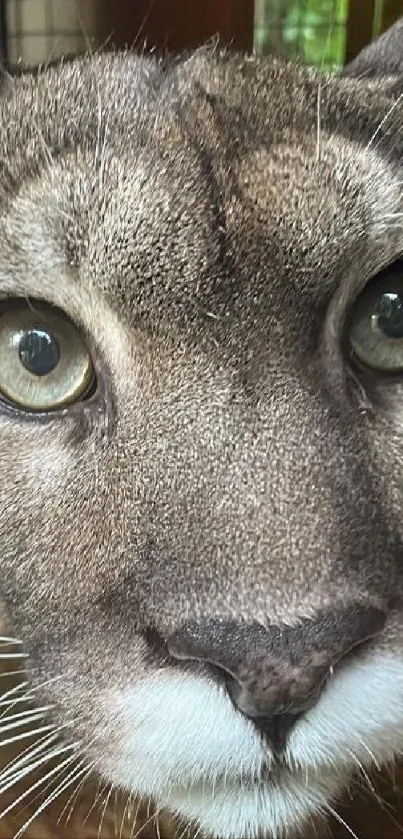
(359, 26)
(392, 10)
(181, 24)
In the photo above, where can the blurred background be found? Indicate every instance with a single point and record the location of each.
(320, 32)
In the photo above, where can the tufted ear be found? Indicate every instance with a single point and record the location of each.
(384, 57)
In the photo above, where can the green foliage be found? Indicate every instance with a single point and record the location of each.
(311, 30)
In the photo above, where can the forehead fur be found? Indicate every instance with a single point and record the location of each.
(68, 102)
(136, 150)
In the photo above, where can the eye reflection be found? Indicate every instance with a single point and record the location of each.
(38, 351)
(388, 314)
(375, 328)
(45, 364)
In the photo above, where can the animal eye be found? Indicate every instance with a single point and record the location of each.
(376, 323)
(44, 362)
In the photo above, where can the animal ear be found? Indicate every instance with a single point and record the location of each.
(384, 57)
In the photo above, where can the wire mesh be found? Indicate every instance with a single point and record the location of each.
(313, 31)
(42, 30)
(35, 31)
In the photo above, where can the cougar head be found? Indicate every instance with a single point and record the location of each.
(201, 422)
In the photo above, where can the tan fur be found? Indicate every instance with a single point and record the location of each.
(209, 237)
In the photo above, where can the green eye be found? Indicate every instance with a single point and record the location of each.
(44, 362)
(376, 324)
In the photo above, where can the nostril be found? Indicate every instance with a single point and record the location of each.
(274, 728)
(253, 703)
(262, 682)
(246, 699)
(274, 673)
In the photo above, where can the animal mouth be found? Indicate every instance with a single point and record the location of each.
(266, 779)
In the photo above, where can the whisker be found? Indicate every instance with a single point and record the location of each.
(99, 793)
(26, 755)
(11, 702)
(115, 812)
(7, 700)
(134, 817)
(363, 772)
(73, 797)
(87, 39)
(151, 818)
(341, 821)
(64, 785)
(51, 773)
(124, 816)
(14, 690)
(10, 673)
(130, 806)
(133, 834)
(104, 811)
(382, 122)
(46, 683)
(5, 640)
(22, 721)
(18, 775)
(8, 718)
(143, 23)
(25, 734)
(13, 655)
(49, 164)
(372, 756)
(157, 826)
(38, 797)
(184, 832)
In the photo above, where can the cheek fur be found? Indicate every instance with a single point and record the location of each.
(176, 730)
(358, 720)
(36, 459)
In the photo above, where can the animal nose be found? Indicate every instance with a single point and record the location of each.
(274, 673)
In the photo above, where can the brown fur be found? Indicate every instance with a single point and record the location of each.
(208, 224)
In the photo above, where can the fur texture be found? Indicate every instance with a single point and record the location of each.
(208, 224)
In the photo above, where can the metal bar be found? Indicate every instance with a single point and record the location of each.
(392, 10)
(360, 24)
(3, 34)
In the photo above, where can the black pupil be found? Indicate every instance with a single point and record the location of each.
(389, 314)
(39, 351)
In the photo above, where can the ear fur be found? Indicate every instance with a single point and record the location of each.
(384, 57)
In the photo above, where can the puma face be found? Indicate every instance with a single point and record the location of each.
(201, 424)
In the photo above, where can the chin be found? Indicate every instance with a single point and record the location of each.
(182, 743)
(255, 809)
